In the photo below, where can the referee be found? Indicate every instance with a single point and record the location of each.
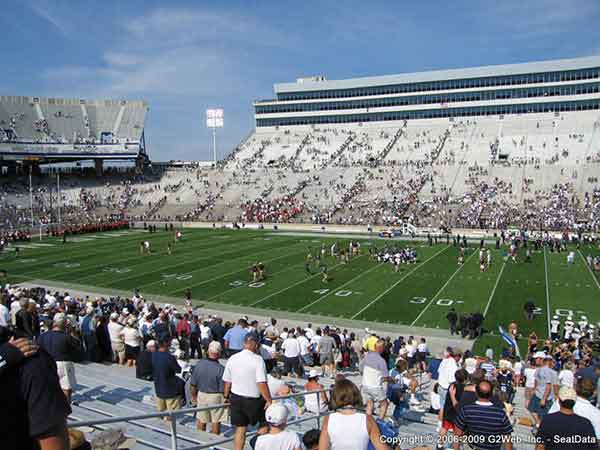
(246, 389)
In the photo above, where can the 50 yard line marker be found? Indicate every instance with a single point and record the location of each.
(547, 290)
(487, 307)
(376, 299)
(442, 288)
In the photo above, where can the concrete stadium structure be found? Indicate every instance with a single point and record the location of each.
(490, 147)
(40, 130)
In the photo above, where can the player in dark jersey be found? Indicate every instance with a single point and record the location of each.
(261, 271)
(254, 271)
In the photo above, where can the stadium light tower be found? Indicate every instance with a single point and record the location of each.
(214, 120)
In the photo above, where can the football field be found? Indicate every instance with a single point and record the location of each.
(214, 265)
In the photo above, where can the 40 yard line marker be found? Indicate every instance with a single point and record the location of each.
(442, 288)
(376, 299)
(339, 288)
(297, 283)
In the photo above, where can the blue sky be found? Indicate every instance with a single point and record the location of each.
(183, 57)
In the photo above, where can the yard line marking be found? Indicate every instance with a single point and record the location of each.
(442, 289)
(589, 269)
(376, 299)
(237, 287)
(339, 287)
(296, 284)
(192, 257)
(487, 307)
(547, 290)
(220, 276)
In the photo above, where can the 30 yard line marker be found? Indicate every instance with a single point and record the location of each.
(487, 307)
(547, 290)
(442, 288)
(376, 299)
(589, 269)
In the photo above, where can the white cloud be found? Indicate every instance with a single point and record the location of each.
(181, 61)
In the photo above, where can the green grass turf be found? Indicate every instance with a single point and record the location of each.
(214, 265)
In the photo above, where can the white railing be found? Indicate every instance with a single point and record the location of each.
(172, 415)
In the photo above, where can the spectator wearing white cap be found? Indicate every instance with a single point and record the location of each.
(315, 403)
(546, 386)
(278, 438)
(566, 429)
(117, 343)
(585, 389)
(207, 388)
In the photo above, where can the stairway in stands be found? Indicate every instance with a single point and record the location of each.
(390, 145)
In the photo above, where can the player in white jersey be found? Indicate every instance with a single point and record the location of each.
(554, 328)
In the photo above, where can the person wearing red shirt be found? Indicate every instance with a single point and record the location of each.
(183, 334)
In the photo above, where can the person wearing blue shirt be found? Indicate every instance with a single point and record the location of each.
(167, 385)
(234, 338)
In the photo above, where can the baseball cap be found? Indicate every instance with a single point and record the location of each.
(276, 414)
(313, 373)
(537, 355)
(114, 316)
(567, 393)
(151, 343)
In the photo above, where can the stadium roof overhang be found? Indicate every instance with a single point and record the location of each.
(441, 75)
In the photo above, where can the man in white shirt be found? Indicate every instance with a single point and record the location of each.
(304, 343)
(308, 331)
(246, 388)
(374, 376)
(585, 389)
(116, 340)
(446, 371)
(291, 354)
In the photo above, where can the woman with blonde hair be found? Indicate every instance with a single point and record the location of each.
(347, 428)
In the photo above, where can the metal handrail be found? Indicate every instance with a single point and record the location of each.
(172, 415)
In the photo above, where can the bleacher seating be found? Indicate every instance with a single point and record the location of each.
(483, 171)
